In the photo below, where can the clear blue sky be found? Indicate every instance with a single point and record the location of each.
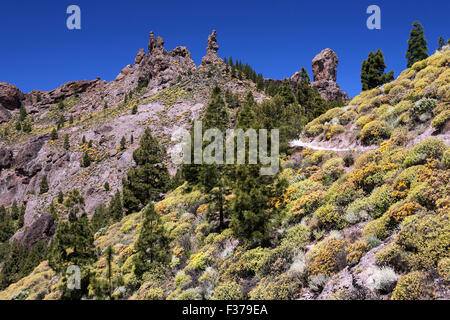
(276, 37)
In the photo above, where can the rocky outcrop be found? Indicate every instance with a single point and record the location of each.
(5, 116)
(211, 50)
(6, 158)
(10, 96)
(324, 66)
(25, 159)
(41, 228)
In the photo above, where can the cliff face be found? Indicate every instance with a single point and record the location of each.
(169, 92)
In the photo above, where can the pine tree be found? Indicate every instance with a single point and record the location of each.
(43, 187)
(115, 207)
(109, 260)
(26, 127)
(86, 160)
(15, 210)
(6, 225)
(123, 143)
(372, 71)
(441, 42)
(107, 188)
(211, 176)
(61, 121)
(18, 126)
(60, 197)
(152, 244)
(66, 142)
(73, 244)
(417, 45)
(134, 110)
(54, 134)
(150, 178)
(22, 113)
(71, 119)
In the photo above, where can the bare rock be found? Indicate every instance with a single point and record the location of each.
(10, 96)
(211, 50)
(6, 158)
(25, 159)
(140, 56)
(5, 116)
(324, 66)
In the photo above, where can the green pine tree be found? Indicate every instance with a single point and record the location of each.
(66, 142)
(115, 207)
(22, 113)
(417, 45)
(149, 178)
(372, 71)
(54, 134)
(43, 187)
(86, 160)
(152, 244)
(441, 42)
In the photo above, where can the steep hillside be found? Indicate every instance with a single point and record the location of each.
(362, 210)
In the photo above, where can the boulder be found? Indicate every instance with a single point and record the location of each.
(10, 96)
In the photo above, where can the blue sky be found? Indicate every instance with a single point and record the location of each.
(276, 37)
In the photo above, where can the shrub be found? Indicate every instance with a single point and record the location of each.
(282, 287)
(276, 261)
(228, 291)
(333, 169)
(318, 282)
(380, 200)
(313, 130)
(446, 159)
(429, 148)
(356, 251)
(426, 239)
(155, 294)
(444, 268)
(308, 203)
(328, 257)
(422, 109)
(383, 280)
(380, 228)
(190, 294)
(297, 235)
(358, 211)
(347, 117)
(392, 255)
(441, 119)
(182, 280)
(374, 131)
(320, 156)
(413, 286)
(405, 210)
(363, 120)
(329, 217)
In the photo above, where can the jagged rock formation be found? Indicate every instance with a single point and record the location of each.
(324, 66)
(10, 96)
(211, 50)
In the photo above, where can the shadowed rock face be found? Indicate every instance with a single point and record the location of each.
(324, 66)
(6, 158)
(10, 96)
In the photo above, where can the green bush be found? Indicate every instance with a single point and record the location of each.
(446, 159)
(374, 131)
(329, 217)
(297, 235)
(228, 291)
(421, 110)
(430, 148)
(441, 119)
(414, 286)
